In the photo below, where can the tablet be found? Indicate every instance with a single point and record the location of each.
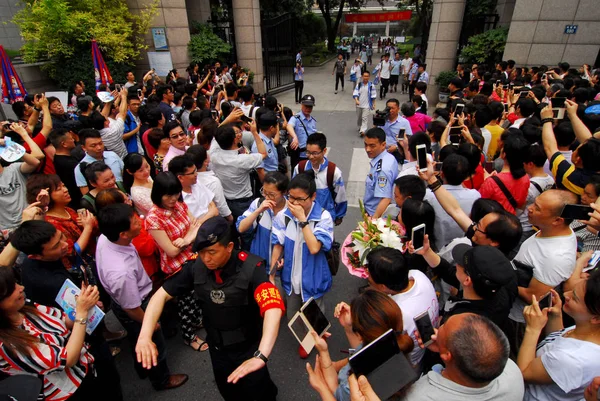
(386, 368)
(309, 318)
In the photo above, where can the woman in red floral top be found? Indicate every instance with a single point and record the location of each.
(77, 229)
(174, 229)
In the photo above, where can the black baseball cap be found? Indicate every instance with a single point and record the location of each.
(211, 231)
(486, 265)
(308, 100)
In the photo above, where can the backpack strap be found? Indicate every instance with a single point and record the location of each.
(302, 166)
(250, 112)
(505, 191)
(537, 186)
(330, 174)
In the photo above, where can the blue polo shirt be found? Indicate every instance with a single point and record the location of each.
(392, 130)
(380, 181)
(271, 162)
(311, 127)
(111, 159)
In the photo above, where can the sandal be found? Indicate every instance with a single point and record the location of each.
(201, 344)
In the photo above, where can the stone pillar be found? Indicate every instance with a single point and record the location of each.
(444, 34)
(354, 28)
(248, 39)
(505, 8)
(387, 28)
(172, 15)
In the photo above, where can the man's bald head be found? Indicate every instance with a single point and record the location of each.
(557, 199)
(478, 348)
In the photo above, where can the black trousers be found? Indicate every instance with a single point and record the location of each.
(255, 386)
(159, 374)
(298, 87)
(238, 207)
(339, 78)
(385, 83)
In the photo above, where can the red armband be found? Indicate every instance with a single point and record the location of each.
(267, 297)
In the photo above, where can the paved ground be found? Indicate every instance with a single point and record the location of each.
(336, 117)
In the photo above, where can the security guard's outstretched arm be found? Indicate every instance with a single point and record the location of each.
(267, 342)
(145, 349)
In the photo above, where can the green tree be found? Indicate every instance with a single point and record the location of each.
(486, 47)
(421, 21)
(62, 28)
(205, 46)
(332, 11)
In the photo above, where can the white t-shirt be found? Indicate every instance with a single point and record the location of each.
(571, 363)
(406, 65)
(420, 298)
(198, 200)
(385, 70)
(545, 183)
(363, 97)
(246, 109)
(553, 261)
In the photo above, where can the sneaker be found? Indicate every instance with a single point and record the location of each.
(302, 352)
(336, 92)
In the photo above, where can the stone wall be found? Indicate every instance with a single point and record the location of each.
(10, 37)
(536, 34)
(172, 15)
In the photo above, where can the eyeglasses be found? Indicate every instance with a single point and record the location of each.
(192, 173)
(297, 200)
(270, 195)
(314, 154)
(476, 227)
(178, 135)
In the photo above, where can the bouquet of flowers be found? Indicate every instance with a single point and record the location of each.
(369, 234)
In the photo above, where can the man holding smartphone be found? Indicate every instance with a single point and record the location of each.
(394, 123)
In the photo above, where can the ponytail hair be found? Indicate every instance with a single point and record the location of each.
(374, 313)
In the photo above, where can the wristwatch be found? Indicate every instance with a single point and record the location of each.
(260, 355)
(303, 224)
(83, 321)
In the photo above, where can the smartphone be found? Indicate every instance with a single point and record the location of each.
(422, 157)
(511, 86)
(139, 92)
(576, 212)
(505, 87)
(81, 212)
(544, 76)
(245, 118)
(459, 109)
(401, 134)
(593, 262)
(558, 102)
(425, 328)
(498, 82)
(545, 301)
(118, 87)
(418, 237)
(523, 94)
(455, 135)
(506, 107)
(437, 167)
(214, 114)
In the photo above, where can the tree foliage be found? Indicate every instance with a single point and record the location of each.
(486, 47)
(61, 28)
(422, 18)
(207, 47)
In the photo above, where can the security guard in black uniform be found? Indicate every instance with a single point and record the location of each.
(234, 291)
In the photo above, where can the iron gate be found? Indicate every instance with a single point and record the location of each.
(279, 52)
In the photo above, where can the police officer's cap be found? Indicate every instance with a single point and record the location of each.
(308, 100)
(267, 119)
(211, 231)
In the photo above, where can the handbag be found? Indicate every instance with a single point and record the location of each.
(353, 77)
(333, 258)
(524, 273)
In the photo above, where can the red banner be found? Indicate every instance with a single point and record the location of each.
(379, 17)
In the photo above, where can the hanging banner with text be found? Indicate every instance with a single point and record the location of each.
(379, 17)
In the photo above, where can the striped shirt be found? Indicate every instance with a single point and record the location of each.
(48, 358)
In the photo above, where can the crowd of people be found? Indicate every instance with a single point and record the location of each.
(197, 203)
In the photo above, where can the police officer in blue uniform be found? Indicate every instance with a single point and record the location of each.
(242, 310)
(303, 124)
(379, 188)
